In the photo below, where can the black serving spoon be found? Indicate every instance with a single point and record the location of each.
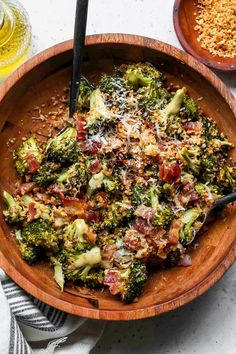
(226, 199)
(78, 50)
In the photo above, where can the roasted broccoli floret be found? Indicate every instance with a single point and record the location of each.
(189, 108)
(129, 283)
(58, 272)
(226, 178)
(62, 148)
(175, 103)
(85, 92)
(40, 233)
(15, 212)
(41, 211)
(99, 115)
(154, 94)
(74, 235)
(192, 159)
(112, 184)
(73, 178)
(28, 156)
(209, 168)
(191, 225)
(46, 175)
(163, 216)
(113, 216)
(83, 266)
(139, 195)
(29, 253)
(140, 74)
(95, 182)
(110, 84)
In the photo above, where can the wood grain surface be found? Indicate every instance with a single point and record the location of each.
(46, 75)
(184, 23)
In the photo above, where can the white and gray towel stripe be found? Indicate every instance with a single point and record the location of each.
(31, 320)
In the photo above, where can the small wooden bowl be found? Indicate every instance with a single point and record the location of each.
(46, 75)
(184, 23)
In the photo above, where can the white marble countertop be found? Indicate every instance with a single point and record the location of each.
(208, 324)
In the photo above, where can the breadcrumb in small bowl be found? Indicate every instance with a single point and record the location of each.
(206, 29)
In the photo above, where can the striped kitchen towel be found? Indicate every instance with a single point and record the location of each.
(28, 326)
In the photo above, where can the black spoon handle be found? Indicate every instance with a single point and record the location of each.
(225, 200)
(78, 49)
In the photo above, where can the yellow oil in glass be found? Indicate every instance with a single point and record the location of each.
(15, 36)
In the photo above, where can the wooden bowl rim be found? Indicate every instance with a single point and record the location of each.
(224, 67)
(200, 287)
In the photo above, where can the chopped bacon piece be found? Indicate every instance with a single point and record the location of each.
(75, 206)
(186, 261)
(91, 236)
(95, 166)
(80, 126)
(187, 188)
(94, 146)
(25, 188)
(32, 163)
(113, 280)
(92, 216)
(148, 124)
(170, 172)
(75, 202)
(133, 240)
(56, 190)
(173, 236)
(32, 211)
(108, 252)
(144, 212)
(193, 197)
(142, 226)
(193, 126)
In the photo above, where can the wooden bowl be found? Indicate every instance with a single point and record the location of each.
(184, 23)
(46, 75)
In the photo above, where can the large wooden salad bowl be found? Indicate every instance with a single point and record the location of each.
(46, 75)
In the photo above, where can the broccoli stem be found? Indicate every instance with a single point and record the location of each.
(191, 165)
(9, 200)
(174, 105)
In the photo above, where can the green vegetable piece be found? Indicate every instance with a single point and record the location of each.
(29, 253)
(74, 236)
(58, 273)
(62, 148)
(190, 109)
(42, 211)
(14, 212)
(40, 233)
(46, 175)
(134, 283)
(85, 92)
(188, 232)
(95, 183)
(99, 115)
(174, 105)
(73, 178)
(136, 79)
(28, 148)
(192, 166)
